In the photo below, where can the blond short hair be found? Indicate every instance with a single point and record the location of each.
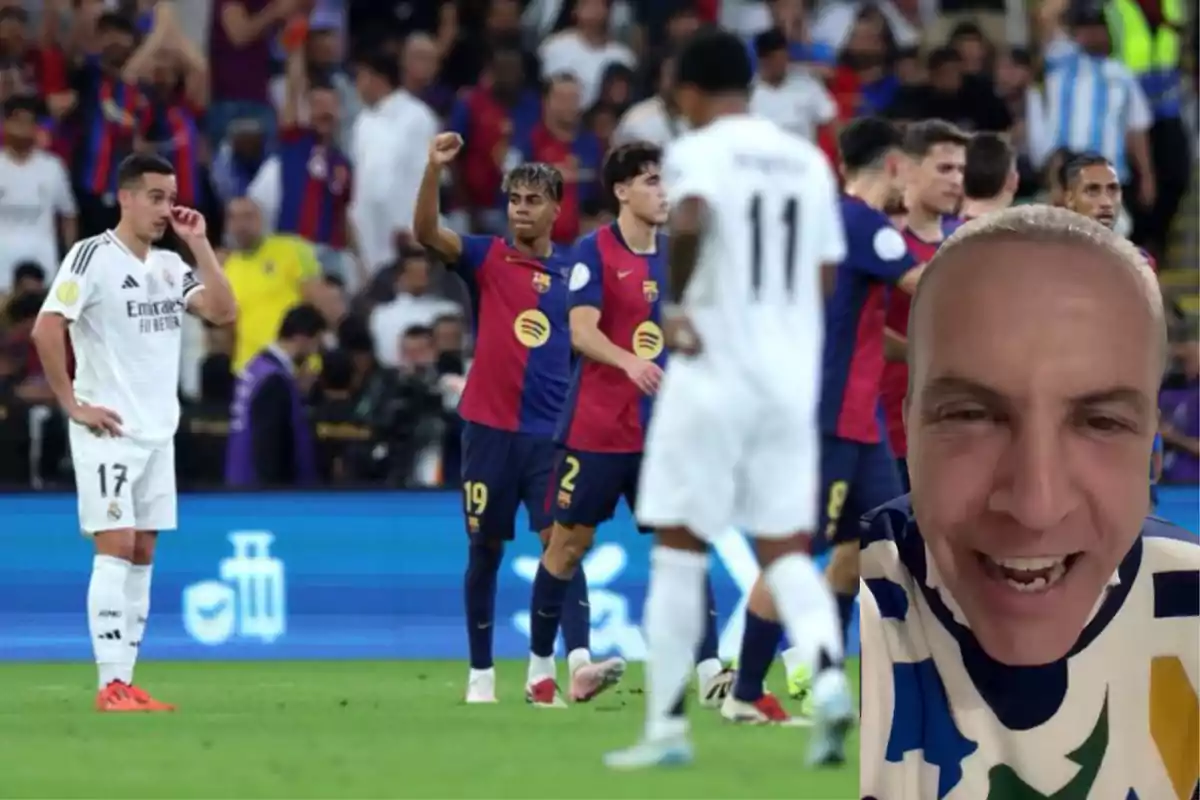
(1047, 225)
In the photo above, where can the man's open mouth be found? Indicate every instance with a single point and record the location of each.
(1030, 573)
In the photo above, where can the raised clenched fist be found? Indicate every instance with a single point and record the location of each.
(444, 148)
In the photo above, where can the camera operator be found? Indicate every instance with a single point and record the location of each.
(34, 426)
(372, 395)
(15, 440)
(203, 436)
(345, 438)
(450, 340)
(371, 383)
(419, 393)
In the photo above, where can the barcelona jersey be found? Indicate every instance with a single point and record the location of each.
(518, 380)
(605, 410)
(895, 373)
(877, 257)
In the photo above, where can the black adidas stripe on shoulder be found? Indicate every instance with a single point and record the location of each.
(190, 283)
(83, 256)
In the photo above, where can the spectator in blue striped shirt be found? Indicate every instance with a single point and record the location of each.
(1090, 102)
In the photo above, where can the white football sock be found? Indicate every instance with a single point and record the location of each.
(708, 669)
(674, 623)
(579, 657)
(794, 658)
(137, 607)
(106, 606)
(540, 668)
(806, 608)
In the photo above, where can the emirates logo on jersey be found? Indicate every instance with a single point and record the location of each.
(158, 316)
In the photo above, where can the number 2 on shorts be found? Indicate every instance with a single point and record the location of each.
(568, 479)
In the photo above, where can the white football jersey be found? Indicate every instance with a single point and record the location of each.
(127, 318)
(33, 193)
(774, 218)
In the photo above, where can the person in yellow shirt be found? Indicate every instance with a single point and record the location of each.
(270, 274)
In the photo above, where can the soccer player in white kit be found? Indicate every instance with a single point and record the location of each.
(734, 438)
(122, 301)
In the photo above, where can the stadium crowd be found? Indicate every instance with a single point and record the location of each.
(299, 128)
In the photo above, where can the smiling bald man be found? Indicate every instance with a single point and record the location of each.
(1027, 630)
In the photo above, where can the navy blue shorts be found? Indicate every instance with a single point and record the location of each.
(502, 470)
(902, 469)
(588, 486)
(855, 478)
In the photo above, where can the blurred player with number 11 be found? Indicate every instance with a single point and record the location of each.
(616, 327)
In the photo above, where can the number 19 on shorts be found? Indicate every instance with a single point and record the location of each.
(475, 495)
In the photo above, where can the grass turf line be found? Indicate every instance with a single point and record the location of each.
(367, 730)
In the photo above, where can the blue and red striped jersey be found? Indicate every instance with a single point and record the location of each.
(111, 115)
(579, 161)
(876, 257)
(489, 128)
(605, 411)
(315, 188)
(895, 373)
(37, 69)
(518, 380)
(176, 134)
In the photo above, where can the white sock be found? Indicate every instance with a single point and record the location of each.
(794, 658)
(540, 668)
(806, 608)
(137, 607)
(674, 623)
(579, 657)
(106, 606)
(708, 669)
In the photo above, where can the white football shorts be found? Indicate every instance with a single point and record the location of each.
(123, 483)
(722, 451)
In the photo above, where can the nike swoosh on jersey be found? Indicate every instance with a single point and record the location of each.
(625, 274)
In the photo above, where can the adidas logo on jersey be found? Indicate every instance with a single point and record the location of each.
(129, 283)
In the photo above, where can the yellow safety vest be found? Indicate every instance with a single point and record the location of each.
(1136, 44)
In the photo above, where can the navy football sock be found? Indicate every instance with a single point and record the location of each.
(759, 643)
(845, 604)
(545, 609)
(577, 614)
(483, 565)
(709, 645)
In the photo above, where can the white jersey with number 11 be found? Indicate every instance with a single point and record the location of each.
(756, 302)
(774, 219)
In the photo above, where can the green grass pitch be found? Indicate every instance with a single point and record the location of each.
(367, 730)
